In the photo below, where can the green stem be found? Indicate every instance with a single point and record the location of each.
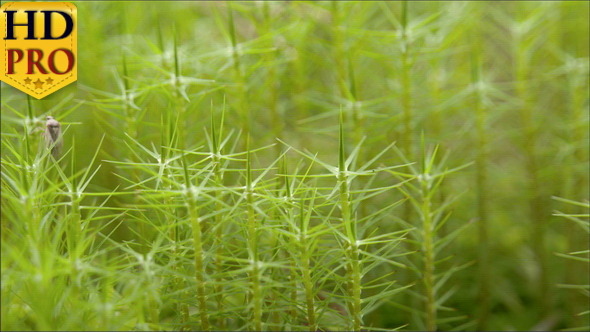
(272, 83)
(308, 285)
(305, 255)
(195, 222)
(537, 211)
(218, 260)
(352, 250)
(339, 51)
(406, 103)
(406, 86)
(252, 231)
(482, 202)
(428, 252)
(240, 76)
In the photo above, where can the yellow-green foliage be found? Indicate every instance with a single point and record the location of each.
(305, 166)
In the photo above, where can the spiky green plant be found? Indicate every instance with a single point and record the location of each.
(173, 206)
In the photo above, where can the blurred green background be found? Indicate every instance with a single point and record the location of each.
(502, 84)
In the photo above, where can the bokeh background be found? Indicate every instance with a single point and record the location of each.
(501, 85)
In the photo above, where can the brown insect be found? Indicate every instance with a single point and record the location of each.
(53, 138)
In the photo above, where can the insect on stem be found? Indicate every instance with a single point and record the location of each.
(53, 137)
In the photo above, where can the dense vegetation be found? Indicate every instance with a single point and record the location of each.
(305, 166)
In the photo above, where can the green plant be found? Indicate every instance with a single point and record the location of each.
(280, 166)
(581, 220)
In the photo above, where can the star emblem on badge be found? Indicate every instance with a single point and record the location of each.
(38, 84)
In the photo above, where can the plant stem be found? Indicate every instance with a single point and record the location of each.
(218, 260)
(482, 199)
(272, 83)
(308, 285)
(74, 226)
(352, 250)
(339, 51)
(191, 197)
(218, 220)
(252, 233)
(537, 209)
(306, 273)
(406, 85)
(240, 77)
(428, 252)
(195, 222)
